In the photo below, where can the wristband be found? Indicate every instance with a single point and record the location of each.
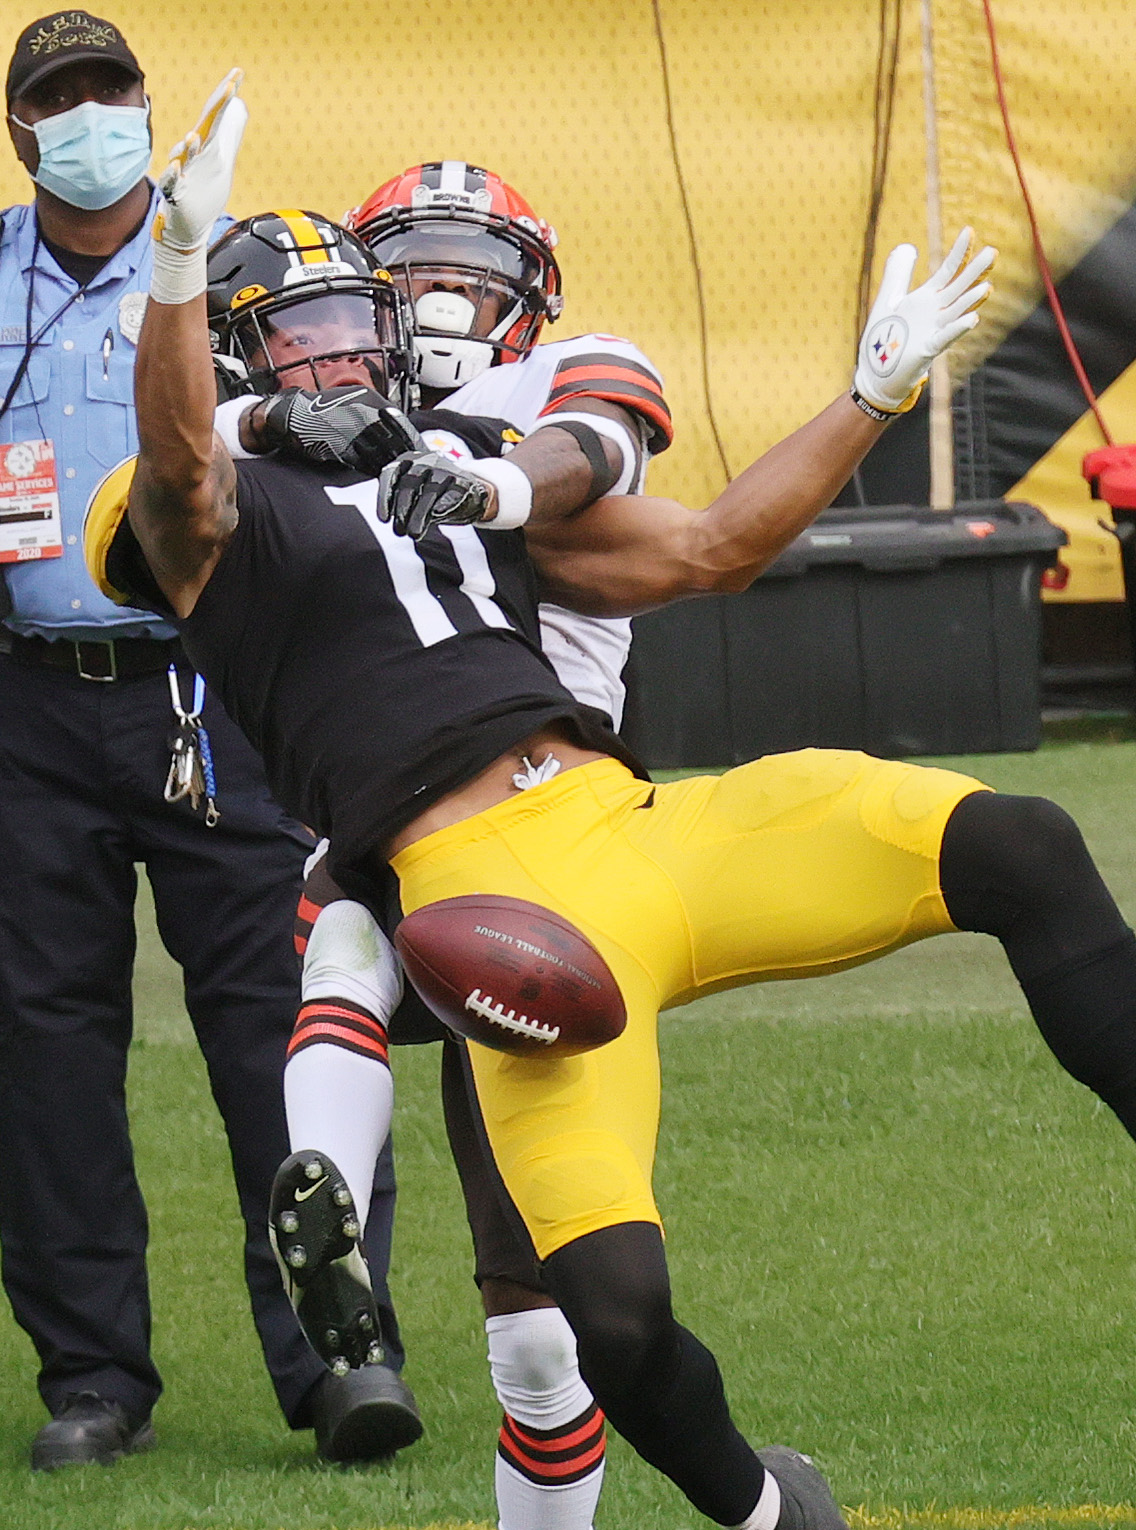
(514, 491)
(179, 275)
(883, 415)
(227, 423)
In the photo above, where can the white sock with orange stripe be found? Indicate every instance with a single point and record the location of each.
(550, 1454)
(338, 1091)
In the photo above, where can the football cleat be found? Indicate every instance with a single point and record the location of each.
(314, 1231)
(806, 1501)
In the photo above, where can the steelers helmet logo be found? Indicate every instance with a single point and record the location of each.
(247, 294)
(884, 345)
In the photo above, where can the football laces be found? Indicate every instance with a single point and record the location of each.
(496, 1013)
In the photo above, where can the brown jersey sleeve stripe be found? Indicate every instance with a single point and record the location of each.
(619, 390)
(604, 365)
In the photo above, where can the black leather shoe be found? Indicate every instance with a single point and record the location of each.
(364, 1416)
(89, 1428)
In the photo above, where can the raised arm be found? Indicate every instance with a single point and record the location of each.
(183, 498)
(628, 553)
(623, 555)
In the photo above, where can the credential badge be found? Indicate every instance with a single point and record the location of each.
(131, 307)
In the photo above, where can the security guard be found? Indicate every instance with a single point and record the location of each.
(87, 698)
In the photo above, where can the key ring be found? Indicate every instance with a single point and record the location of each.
(181, 765)
(192, 751)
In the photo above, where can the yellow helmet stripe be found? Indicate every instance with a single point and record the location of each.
(309, 243)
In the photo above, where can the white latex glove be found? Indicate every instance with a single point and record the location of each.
(195, 187)
(907, 330)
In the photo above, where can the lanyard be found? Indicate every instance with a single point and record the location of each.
(31, 341)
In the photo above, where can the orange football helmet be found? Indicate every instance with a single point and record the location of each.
(473, 258)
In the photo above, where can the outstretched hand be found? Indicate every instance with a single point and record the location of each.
(425, 489)
(196, 183)
(907, 330)
(194, 189)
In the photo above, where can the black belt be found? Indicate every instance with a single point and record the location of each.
(115, 659)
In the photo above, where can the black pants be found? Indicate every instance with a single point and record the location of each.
(82, 767)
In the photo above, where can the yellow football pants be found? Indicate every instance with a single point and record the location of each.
(791, 866)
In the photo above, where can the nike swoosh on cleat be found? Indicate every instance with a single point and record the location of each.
(302, 1195)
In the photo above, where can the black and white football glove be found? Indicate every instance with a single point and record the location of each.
(424, 489)
(352, 426)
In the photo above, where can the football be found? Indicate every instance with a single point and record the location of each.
(511, 975)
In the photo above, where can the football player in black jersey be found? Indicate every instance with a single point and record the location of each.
(287, 307)
(294, 306)
(400, 702)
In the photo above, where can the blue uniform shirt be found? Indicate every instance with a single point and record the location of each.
(79, 393)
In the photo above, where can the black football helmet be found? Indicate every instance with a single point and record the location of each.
(292, 297)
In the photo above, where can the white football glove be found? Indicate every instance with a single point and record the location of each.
(907, 330)
(195, 187)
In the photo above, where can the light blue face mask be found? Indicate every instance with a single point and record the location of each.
(92, 155)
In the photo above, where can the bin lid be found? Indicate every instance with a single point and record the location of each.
(908, 538)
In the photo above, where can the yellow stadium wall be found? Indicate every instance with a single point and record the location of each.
(773, 116)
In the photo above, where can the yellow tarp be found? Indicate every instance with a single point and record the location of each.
(773, 123)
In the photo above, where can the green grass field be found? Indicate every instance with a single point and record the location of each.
(910, 1239)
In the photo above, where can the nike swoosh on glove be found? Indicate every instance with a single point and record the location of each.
(350, 425)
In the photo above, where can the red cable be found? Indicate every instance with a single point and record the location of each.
(1039, 250)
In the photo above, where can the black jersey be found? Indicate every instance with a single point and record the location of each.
(373, 673)
(127, 572)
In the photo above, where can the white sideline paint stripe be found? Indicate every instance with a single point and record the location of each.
(992, 1519)
(931, 1519)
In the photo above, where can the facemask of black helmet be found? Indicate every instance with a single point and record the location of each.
(295, 301)
(324, 338)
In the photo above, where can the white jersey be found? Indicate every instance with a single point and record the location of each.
(587, 652)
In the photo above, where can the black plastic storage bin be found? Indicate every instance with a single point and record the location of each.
(897, 629)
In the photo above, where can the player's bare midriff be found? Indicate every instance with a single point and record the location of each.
(493, 785)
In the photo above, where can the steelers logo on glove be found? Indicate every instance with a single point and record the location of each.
(907, 329)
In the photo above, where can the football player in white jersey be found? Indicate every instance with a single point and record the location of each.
(478, 267)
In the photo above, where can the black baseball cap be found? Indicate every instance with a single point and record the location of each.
(65, 37)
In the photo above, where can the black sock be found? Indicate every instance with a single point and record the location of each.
(660, 1388)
